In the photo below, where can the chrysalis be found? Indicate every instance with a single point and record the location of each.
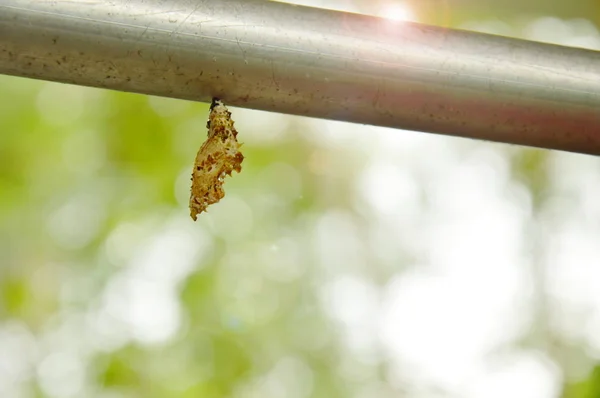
(217, 157)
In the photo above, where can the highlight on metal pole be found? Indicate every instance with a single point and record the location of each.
(305, 61)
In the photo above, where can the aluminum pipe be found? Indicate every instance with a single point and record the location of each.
(313, 62)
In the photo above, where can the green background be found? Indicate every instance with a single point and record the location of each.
(108, 289)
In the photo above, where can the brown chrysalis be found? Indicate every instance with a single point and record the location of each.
(217, 157)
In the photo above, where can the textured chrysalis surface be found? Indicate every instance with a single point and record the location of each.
(218, 157)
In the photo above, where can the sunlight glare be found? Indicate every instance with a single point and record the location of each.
(397, 12)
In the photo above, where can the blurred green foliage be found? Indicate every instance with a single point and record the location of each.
(586, 388)
(455, 12)
(80, 162)
(91, 180)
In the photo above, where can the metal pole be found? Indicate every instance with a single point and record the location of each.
(312, 62)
